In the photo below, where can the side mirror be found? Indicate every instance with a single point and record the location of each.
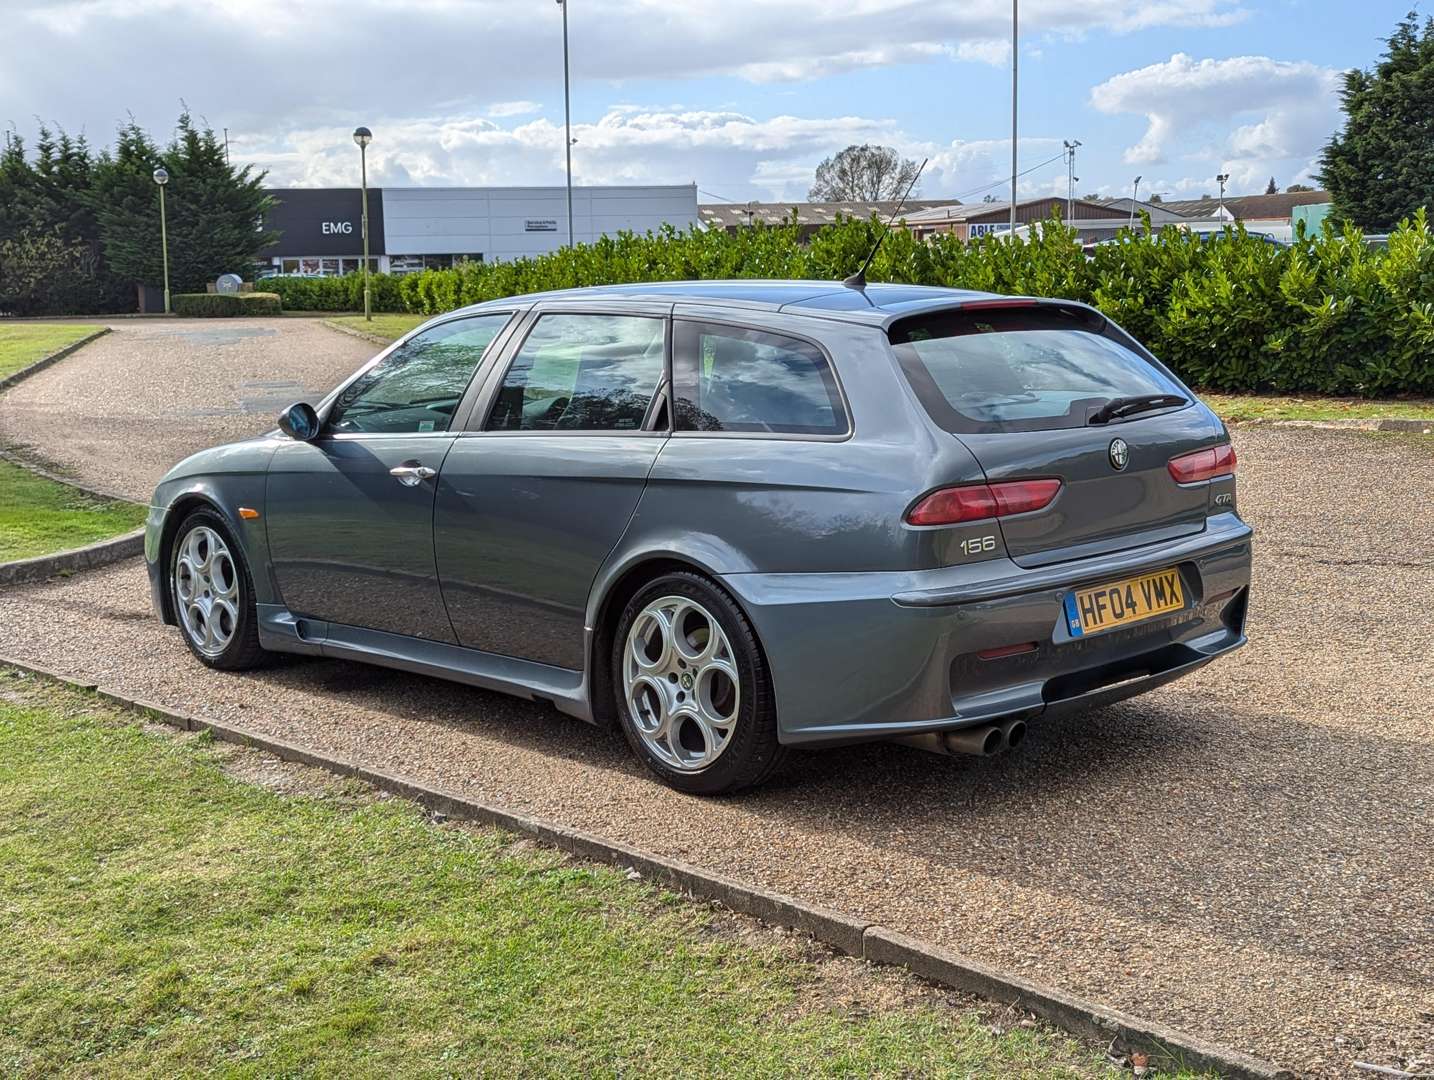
(299, 421)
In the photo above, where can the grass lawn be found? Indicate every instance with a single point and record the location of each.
(21, 344)
(39, 516)
(387, 327)
(163, 913)
(1263, 407)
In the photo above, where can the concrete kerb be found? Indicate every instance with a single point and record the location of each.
(45, 361)
(362, 335)
(854, 937)
(100, 553)
(1422, 427)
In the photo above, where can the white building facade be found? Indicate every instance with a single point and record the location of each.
(416, 228)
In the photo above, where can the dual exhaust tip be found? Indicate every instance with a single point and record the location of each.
(988, 740)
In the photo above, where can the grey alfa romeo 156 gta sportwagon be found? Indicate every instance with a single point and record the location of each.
(733, 518)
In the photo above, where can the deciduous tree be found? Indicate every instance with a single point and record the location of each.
(863, 173)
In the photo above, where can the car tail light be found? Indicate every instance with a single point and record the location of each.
(974, 502)
(1203, 464)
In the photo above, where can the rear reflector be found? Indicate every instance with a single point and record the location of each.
(1203, 464)
(1006, 650)
(975, 502)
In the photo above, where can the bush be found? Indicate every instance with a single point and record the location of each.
(1327, 315)
(337, 293)
(226, 305)
(41, 274)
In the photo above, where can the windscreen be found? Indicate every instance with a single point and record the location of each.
(1019, 368)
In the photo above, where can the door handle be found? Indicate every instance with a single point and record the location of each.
(412, 475)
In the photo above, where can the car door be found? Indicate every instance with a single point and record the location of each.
(350, 514)
(532, 501)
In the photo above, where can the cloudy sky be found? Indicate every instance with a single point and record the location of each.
(743, 97)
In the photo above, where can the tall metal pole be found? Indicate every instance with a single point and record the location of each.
(362, 137)
(1070, 183)
(1070, 146)
(164, 243)
(1134, 195)
(567, 121)
(161, 177)
(363, 171)
(1014, 83)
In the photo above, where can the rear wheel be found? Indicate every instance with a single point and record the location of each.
(213, 594)
(693, 692)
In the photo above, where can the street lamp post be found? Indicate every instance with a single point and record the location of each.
(161, 177)
(1222, 180)
(1070, 145)
(363, 136)
(1014, 83)
(567, 121)
(1134, 197)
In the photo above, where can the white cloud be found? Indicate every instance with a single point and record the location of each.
(1248, 115)
(730, 153)
(505, 109)
(777, 155)
(280, 63)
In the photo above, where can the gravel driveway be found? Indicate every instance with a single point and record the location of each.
(125, 408)
(1247, 854)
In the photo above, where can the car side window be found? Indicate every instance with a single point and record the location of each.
(580, 372)
(417, 387)
(727, 378)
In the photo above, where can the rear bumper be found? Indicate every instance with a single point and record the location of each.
(857, 657)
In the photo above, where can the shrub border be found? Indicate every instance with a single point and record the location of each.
(854, 937)
(50, 358)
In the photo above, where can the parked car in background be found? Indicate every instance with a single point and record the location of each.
(733, 518)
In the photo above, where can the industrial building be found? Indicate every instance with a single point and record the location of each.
(416, 228)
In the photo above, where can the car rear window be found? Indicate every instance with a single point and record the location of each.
(1019, 368)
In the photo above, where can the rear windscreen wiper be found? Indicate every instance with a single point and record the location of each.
(1128, 406)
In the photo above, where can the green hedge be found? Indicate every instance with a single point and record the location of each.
(223, 305)
(1327, 315)
(337, 293)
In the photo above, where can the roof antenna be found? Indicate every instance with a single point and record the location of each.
(858, 280)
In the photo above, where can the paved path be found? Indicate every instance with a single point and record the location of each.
(1247, 854)
(125, 408)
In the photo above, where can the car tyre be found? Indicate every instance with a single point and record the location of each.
(692, 689)
(211, 593)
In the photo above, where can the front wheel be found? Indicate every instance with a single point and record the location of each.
(212, 594)
(693, 692)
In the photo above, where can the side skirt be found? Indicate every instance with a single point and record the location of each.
(281, 631)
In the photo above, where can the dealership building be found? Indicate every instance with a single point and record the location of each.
(417, 228)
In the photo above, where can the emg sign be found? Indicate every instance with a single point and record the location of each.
(338, 228)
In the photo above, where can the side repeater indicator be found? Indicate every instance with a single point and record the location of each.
(248, 513)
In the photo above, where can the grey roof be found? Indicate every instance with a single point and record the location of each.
(1157, 211)
(966, 211)
(1250, 206)
(731, 215)
(878, 303)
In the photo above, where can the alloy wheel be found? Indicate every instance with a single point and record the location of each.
(681, 686)
(206, 590)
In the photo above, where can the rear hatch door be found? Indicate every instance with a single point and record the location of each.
(1021, 383)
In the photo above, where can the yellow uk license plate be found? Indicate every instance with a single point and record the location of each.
(1120, 603)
